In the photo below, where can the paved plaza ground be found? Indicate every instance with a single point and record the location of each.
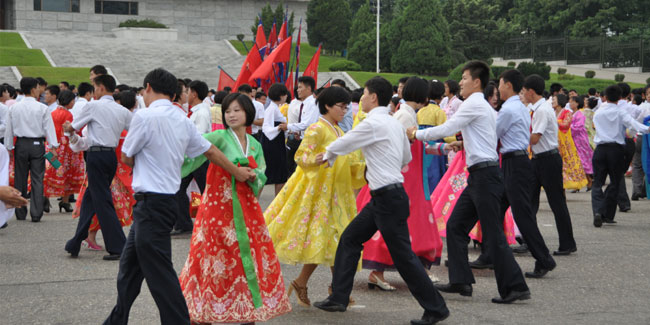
(605, 282)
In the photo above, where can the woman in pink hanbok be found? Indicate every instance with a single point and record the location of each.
(581, 137)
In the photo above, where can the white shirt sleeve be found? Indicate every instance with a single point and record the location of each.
(359, 137)
(504, 119)
(633, 124)
(9, 130)
(77, 143)
(197, 145)
(50, 131)
(268, 127)
(84, 117)
(457, 121)
(310, 116)
(137, 137)
(540, 122)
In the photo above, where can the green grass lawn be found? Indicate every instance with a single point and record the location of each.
(55, 75)
(306, 53)
(22, 57)
(582, 84)
(12, 40)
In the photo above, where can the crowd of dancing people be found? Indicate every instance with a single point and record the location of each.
(369, 178)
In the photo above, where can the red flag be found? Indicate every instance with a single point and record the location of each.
(273, 38)
(298, 53)
(266, 69)
(252, 62)
(328, 84)
(312, 68)
(283, 34)
(260, 38)
(289, 84)
(225, 80)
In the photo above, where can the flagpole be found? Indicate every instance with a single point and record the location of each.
(224, 71)
(328, 80)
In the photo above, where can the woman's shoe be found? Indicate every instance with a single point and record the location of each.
(375, 282)
(575, 191)
(301, 294)
(65, 206)
(91, 246)
(434, 278)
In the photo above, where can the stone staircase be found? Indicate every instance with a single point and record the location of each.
(7, 76)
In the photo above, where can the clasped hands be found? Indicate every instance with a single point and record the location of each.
(245, 174)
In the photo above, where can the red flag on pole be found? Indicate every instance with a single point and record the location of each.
(225, 80)
(260, 38)
(289, 84)
(282, 34)
(312, 68)
(298, 53)
(273, 38)
(252, 62)
(266, 69)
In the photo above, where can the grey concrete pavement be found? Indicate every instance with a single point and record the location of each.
(605, 282)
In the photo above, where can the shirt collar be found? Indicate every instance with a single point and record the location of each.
(81, 99)
(196, 107)
(29, 98)
(379, 110)
(161, 102)
(108, 97)
(513, 98)
(538, 104)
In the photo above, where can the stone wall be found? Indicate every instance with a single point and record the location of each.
(195, 20)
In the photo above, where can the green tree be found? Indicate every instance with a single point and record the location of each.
(362, 43)
(473, 27)
(419, 39)
(269, 17)
(328, 22)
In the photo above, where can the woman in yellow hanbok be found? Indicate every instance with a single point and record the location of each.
(307, 218)
(572, 172)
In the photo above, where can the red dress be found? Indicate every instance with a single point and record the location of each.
(121, 192)
(68, 178)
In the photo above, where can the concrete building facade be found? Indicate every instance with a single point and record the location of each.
(195, 20)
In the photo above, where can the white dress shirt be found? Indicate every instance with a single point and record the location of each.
(272, 114)
(140, 101)
(644, 111)
(293, 110)
(310, 114)
(30, 119)
(53, 106)
(160, 138)
(383, 142)
(201, 118)
(544, 123)
(259, 113)
(5, 214)
(79, 104)
(79, 143)
(406, 115)
(3, 119)
(513, 125)
(630, 108)
(106, 120)
(610, 122)
(476, 120)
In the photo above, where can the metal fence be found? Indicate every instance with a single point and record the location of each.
(607, 52)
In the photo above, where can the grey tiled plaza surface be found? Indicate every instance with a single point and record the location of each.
(605, 282)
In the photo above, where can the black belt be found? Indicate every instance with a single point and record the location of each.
(610, 144)
(385, 189)
(482, 165)
(100, 148)
(30, 139)
(513, 154)
(545, 153)
(141, 196)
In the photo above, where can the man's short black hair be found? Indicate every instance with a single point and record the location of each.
(478, 70)
(556, 87)
(592, 102)
(613, 93)
(219, 96)
(84, 88)
(200, 87)
(514, 77)
(331, 96)
(105, 80)
(227, 89)
(41, 81)
(276, 91)
(123, 87)
(573, 90)
(99, 70)
(436, 90)
(453, 86)
(54, 90)
(260, 94)
(161, 81)
(127, 99)
(180, 84)
(625, 89)
(416, 90)
(403, 80)
(65, 83)
(338, 82)
(592, 91)
(245, 103)
(356, 94)
(382, 88)
(637, 99)
(308, 81)
(65, 97)
(536, 83)
(245, 88)
(562, 99)
(27, 84)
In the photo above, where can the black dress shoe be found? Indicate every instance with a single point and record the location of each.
(561, 252)
(111, 257)
(178, 232)
(598, 220)
(21, 219)
(328, 305)
(607, 220)
(539, 272)
(512, 297)
(73, 253)
(462, 289)
(428, 319)
(4, 226)
(625, 209)
(521, 249)
(635, 196)
(38, 219)
(479, 264)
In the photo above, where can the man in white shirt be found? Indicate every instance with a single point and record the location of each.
(623, 199)
(198, 91)
(610, 122)
(307, 115)
(258, 122)
(84, 95)
(547, 162)
(105, 120)
(382, 140)
(155, 147)
(481, 199)
(51, 97)
(31, 123)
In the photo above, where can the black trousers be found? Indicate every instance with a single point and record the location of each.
(100, 167)
(387, 213)
(147, 256)
(622, 199)
(607, 162)
(548, 174)
(183, 219)
(481, 200)
(518, 178)
(293, 145)
(29, 160)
